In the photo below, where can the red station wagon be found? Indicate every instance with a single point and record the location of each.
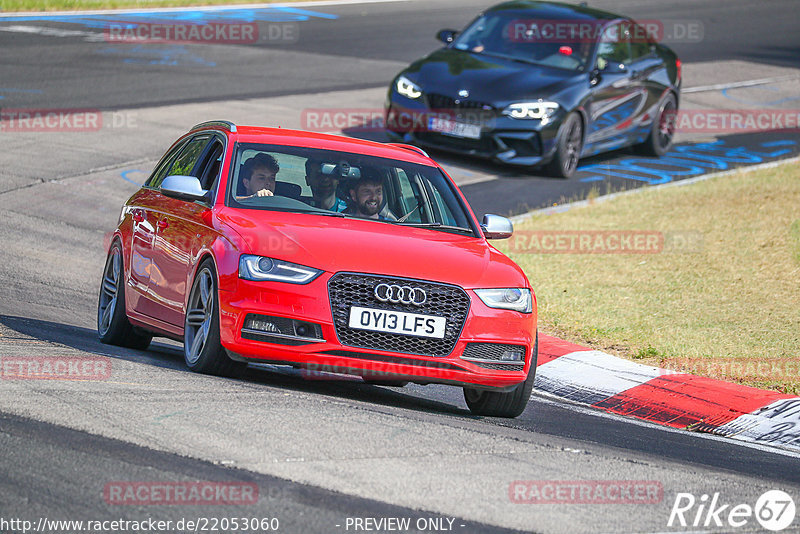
(325, 253)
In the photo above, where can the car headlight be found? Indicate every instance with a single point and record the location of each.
(514, 298)
(259, 268)
(408, 88)
(531, 110)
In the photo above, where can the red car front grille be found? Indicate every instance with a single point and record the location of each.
(352, 289)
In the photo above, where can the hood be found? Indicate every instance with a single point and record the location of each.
(337, 244)
(488, 79)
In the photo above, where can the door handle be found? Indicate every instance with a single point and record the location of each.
(138, 216)
(163, 223)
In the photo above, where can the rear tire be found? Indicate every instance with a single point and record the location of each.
(504, 404)
(202, 350)
(113, 327)
(662, 132)
(569, 144)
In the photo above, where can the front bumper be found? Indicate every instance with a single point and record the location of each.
(473, 360)
(527, 143)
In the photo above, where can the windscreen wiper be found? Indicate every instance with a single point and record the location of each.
(511, 58)
(322, 212)
(437, 225)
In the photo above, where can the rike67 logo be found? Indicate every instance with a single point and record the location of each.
(774, 511)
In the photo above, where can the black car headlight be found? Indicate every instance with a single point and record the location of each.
(512, 298)
(261, 268)
(539, 110)
(408, 88)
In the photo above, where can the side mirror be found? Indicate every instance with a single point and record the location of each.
(447, 36)
(496, 227)
(183, 188)
(594, 77)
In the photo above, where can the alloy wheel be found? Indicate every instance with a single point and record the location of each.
(109, 292)
(199, 315)
(666, 127)
(573, 147)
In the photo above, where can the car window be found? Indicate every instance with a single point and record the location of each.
(354, 185)
(614, 46)
(640, 42)
(513, 34)
(291, 173)
(208, 170)
(163, 166)
(409, 196)
(187, 160)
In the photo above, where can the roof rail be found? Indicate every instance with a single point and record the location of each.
(413, 148)
(225, 125)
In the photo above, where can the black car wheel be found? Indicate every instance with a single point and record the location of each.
(659, 141)
(202, 350)
(113, 327)
(504, 404)
(569, 144)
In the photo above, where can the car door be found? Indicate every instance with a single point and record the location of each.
(617, 96)
(183, 227)
(645, 67)
(143, 232)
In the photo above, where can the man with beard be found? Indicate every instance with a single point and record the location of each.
(323, 187)
(366, 197)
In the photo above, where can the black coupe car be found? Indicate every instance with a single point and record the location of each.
(540, 84)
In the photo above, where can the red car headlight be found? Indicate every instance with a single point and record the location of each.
(261, 268)
(512, 298)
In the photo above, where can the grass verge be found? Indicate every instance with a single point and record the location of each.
(82, 5)
(717, 293)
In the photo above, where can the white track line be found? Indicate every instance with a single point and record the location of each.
(583, 203)
(319, 3)
(745, 83)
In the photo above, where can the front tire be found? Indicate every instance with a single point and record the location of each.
(202, 350)
(113, 327)
(569, 144)
(504, 404)
(662, 132)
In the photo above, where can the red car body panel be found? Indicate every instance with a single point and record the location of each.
(164, 240)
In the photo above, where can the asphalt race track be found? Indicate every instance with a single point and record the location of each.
(322, 451)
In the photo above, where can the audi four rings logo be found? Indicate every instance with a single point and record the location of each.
(400, 294)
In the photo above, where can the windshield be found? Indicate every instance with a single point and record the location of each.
(342, 184)
(516, 35)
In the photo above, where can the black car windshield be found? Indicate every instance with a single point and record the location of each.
(343, 184)
(521, 36)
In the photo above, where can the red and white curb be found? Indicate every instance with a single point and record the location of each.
(678, 400)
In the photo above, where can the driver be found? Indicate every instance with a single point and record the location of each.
(258, 176)
(323, 187)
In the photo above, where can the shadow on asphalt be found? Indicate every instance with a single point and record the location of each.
(169, 355)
